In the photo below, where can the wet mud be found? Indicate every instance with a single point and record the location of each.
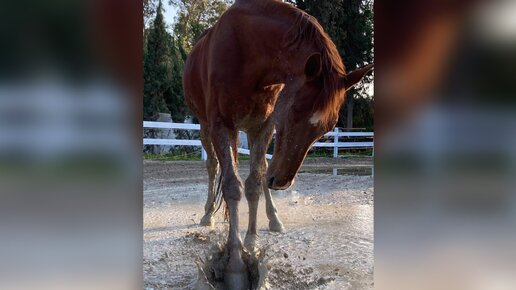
(211, 268)
(328, 243)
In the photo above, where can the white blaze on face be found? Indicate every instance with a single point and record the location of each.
(315, 119)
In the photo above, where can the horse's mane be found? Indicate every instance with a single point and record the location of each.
(306, 29)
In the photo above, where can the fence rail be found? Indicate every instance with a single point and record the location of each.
(336, 133)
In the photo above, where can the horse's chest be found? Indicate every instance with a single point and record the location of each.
(254, 116)
(259, 108)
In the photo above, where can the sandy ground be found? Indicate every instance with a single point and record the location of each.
(328, 243)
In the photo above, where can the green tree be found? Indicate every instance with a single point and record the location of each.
(350, 25)
(363, 113)
(149, 8)
(156, 68)
(174, 96)
(194, 17)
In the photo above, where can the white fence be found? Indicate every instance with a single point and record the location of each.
(178, 142)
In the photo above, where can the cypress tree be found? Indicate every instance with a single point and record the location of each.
(174, 96)
(156, 68)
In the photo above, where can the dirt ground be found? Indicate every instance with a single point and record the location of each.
(328, 242)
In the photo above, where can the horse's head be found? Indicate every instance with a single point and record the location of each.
(299, 125)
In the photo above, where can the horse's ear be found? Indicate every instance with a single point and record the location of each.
(313, 66)
(355, 76)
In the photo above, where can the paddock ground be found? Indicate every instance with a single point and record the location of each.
(328, 243)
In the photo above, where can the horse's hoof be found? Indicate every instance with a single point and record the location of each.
(236, 281)
(207, 221)
(275, 225)
(251, 242)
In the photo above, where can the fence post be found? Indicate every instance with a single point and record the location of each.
(204, 155)
(335, 143)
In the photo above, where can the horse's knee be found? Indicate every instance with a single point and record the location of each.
(232, 188)
(253, 186)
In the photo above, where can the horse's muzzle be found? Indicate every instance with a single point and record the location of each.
(273, 183)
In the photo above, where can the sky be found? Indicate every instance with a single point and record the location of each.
(169, 14)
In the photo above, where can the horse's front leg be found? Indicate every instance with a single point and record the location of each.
(275, 224)
(254, 185)
(225, 141)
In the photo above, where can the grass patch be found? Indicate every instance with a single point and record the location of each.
(342, 153)
(244, 157)
(183, 157)
(196, 156)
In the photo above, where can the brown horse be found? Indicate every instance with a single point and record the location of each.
(263, 65)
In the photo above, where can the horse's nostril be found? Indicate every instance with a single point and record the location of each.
(271, 181)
